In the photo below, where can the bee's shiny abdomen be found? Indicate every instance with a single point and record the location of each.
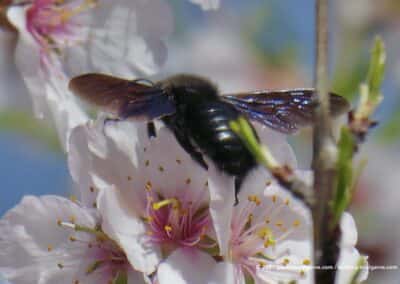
(208, 125)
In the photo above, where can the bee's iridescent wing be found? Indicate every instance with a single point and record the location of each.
(123, 98)
(286, 110)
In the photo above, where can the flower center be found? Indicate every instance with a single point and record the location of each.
(52, 22)
(256, 231)
(177, 221)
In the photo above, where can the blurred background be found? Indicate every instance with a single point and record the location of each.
(246, 45)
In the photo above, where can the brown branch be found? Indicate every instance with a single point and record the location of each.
(324, 157)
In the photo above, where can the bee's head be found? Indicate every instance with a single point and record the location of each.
(189, 88)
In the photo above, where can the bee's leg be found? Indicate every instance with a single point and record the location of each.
(151, 130)
(238, 183)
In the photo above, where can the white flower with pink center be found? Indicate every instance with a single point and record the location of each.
(55, 24)
(153, 197)
(54, 240)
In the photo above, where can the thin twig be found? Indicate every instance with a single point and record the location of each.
(324, 157)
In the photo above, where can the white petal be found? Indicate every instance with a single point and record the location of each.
(66, 112)
(31, 228)
(186, 266)
(123, 224)
(349, 231)
(207, 4)
(124, 40)
(222, 199)
(349, 255)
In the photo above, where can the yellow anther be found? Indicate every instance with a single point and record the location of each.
(296, 223)
(306, 261)
(264, 232)
(167, 228)
(287, 202)
(161, 168)
(73, 198)
(148, 186)
(49, 248)
(255, 199)
(72, 219)
(72, 238)
(173, 201)
(285, 261)
(262, 264)
(59, 222)
(270, 241)
(149, 233)
(302, 273)
(274, 198)
(279, 224)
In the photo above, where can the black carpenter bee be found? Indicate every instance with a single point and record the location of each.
(191, 107)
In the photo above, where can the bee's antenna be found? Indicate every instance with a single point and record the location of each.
(149, 82)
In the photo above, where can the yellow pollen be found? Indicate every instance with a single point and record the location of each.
(286, 261)
(49, 248)
(59, 222)
(148, 186)
(167, 228)
(279, 224)
(173, 201)
(264, 232)
(274, 198)
(73, 198)
(302, 273)
(270, 241)
(296, 223)
(261, 264)
(149, 233)
(306, 261)
(255, 199)
(72, 219)
(72, 238)
(287, 202)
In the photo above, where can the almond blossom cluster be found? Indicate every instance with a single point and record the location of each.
(144, 211)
